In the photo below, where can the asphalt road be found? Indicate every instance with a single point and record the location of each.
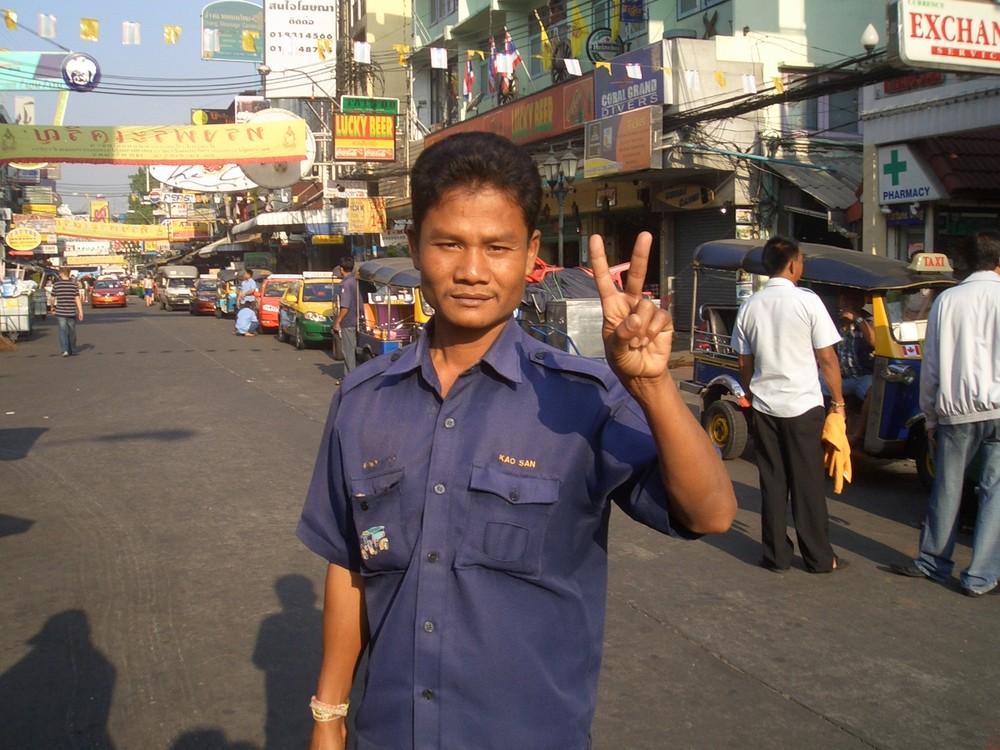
(153, 594)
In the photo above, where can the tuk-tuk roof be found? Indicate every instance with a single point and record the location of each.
(825, 264)
(227, 274)
(390, 271)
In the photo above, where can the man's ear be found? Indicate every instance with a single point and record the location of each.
(534, 243)
(414, 242)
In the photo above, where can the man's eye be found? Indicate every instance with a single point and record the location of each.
(497, 249)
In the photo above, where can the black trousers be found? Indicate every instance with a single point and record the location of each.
(790, 463)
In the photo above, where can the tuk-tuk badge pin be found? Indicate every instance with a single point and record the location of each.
(373, 541)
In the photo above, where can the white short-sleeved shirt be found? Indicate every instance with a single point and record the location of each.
(782, 326)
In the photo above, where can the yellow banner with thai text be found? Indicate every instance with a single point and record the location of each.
(211, 145)
(108, 231)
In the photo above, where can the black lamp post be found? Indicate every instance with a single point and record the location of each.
(559, 174)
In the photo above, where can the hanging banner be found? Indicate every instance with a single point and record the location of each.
(366, 215)
(108, 231)
(211, 145)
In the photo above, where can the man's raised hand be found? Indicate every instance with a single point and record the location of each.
(637, 333)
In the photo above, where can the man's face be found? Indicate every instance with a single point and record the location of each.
(473, 253)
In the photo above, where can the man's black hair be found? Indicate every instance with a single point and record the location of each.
(987, 250)
(475, 161)
(347, 263)
(778, 251)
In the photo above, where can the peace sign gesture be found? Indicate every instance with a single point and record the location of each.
(637, 333)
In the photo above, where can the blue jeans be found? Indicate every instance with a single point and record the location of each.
(957, 446)
(67, 333)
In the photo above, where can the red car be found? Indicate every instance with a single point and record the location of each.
(108, 293)
(272, 289)
(204, 296)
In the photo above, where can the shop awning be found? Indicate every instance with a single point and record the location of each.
(968, 163)
(835, 189)
(292, 220)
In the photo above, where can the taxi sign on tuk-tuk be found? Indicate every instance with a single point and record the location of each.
(899, 297)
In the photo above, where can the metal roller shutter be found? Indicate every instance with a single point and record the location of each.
(691, 230)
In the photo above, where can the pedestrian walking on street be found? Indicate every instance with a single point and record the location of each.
(147, 290)
(467, 543)
(780, 333)
(346, 324)
(960, 399)
(67, 306)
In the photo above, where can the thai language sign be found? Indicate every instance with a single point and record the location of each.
(248, 143)
(109, 231)
(300, 48)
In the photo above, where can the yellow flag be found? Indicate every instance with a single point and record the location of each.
(90, 29)
(171, 34)
(578, 30)
(249, 40)
(779, 85)
(616, 18)
(403, 50)
(720, 78)
(605, 65)
(324, 47)
(546, 44)
(10, 18)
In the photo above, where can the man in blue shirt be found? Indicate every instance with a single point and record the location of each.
(346, 324)
(248, 288)
(247, 322)
(464, 484)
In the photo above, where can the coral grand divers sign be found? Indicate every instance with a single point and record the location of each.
(946, 34)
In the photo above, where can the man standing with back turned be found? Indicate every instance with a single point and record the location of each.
(346, 324)
(780, 333)
(67, 306)
(464, 483)
(960, 399)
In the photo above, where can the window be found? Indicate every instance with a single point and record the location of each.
(832, 115)
(690, 7)
(441, 9)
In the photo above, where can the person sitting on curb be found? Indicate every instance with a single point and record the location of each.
(247, 322)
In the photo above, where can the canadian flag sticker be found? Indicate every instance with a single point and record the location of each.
(911, 350)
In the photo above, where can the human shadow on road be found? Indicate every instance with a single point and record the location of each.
(16, 442)
(209, 739)
(11, 525)
(288, 652)
(59, 694)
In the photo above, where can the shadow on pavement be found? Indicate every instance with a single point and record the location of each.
(16, 442)
(59, 694)
(288, 652)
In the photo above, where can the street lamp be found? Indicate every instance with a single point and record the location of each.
(559, 174)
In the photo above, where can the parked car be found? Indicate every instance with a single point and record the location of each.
(272, 289)
(204, 294)
(108, 293)
(308, 308)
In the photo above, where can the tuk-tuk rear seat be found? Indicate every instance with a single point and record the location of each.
(718, 332)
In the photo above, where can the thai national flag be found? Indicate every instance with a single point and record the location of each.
(510, 49)
(470, 77)
(492, 65)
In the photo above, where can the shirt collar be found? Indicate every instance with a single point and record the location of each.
(779, 281)
(503, 357)
(982, 276)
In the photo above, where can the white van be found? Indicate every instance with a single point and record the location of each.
(173, 285)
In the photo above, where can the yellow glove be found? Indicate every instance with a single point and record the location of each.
(836, 451)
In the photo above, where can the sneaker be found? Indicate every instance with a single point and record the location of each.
(909, 570)
(65, 354)
(973, 593)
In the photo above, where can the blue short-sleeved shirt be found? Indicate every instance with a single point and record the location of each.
(248, 286)
(480, 526)
(348, 299)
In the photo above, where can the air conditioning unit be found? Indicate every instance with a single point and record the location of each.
(6, 214)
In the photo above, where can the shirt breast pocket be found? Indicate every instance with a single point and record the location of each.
(508, 521)
(384, 536)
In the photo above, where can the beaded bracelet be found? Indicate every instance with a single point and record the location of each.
(327, 711)
(837, 404)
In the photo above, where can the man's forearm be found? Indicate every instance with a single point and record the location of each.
(700, 494)
(345, 634)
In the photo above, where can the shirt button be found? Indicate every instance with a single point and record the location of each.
(449, 423)
(428, 627)
(432, 557)
(439, 489)
(364, 505)
(428, 694)
(394, 356)
(539, 356)
(515, 495)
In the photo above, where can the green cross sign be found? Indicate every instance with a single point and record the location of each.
(894, 167)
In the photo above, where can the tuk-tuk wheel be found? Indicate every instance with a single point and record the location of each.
(924, 457)
(218, 312)
(726, 427)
